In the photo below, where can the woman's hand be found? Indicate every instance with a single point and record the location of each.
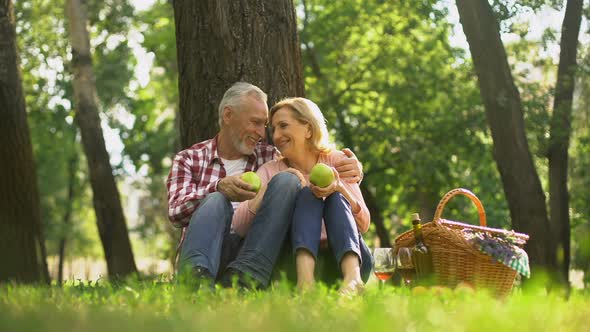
(298, 174)
(255, 202)
(336, 185)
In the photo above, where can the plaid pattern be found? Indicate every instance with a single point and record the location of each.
(195, 173)
(501, 248)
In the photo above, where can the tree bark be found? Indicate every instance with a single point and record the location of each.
(501, 98)
(220, 42)
(22, 250)
(107, 204)
(560, 134)
(72, 165)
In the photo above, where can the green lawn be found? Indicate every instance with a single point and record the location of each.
(161, 306)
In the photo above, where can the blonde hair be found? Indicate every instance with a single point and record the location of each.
(306, 111)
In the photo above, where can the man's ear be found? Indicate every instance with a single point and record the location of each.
(227, 114)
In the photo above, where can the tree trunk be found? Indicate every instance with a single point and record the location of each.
(72, 163)
(427, 203)
(220, 42)
(560, 134)
(501, 98)
(107, 204)
(22, 250)
(376, 217)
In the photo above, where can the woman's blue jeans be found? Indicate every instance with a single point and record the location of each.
(343, 234)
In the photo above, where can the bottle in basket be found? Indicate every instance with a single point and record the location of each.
(421, 254)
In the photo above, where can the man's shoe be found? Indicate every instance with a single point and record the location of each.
(232, 277)
(202, 277)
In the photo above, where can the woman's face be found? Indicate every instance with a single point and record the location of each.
(288, 134)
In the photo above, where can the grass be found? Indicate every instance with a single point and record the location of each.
(163, 306)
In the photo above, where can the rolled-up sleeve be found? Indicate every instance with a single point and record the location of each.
(184, 190)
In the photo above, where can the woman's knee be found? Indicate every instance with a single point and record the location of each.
(286, 180)
(337, 198)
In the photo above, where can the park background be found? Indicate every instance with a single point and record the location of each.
(396, 80)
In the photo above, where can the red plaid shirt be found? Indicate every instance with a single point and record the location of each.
(195, 173)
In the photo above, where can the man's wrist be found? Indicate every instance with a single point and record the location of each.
(217, 185)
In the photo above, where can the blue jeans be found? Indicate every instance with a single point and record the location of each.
(210, 245)
(207, 231)
(268, 230)
(343, 234)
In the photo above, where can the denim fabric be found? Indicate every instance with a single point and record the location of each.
(343, 234)
(266, 236)
(207, 232)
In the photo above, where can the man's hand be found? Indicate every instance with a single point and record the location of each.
(235, 189)
(350, 169)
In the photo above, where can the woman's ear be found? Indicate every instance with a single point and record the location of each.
(309, 132)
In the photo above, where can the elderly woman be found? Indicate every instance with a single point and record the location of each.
(327, 221)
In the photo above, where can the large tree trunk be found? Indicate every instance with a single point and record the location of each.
(107, 204)
(561, 132)
(501, 98)
(222, 42)
(22, 250)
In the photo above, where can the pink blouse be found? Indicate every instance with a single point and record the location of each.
(243, 217)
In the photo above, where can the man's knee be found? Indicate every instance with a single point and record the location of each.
(285, 181)
(214, 206)
(215, 199)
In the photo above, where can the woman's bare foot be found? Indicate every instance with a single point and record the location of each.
(352, 288)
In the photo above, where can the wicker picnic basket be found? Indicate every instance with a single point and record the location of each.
(456, 260)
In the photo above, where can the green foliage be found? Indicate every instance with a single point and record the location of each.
(153, 136)
(395, 91)
(507, 10)
(48, 93)
(579, 167)
(384, 74)
(158, 306)
(152, 140)
(44, 52)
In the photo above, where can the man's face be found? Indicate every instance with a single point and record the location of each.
(247, 123)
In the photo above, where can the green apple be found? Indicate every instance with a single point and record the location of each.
(252, 179)
(321, 175)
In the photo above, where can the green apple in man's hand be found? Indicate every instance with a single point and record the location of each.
(321, 175)
(253, 180)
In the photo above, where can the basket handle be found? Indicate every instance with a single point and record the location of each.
(460, 191)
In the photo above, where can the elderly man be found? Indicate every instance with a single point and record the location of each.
(204, 188)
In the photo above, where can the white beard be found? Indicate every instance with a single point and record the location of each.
(241, 146)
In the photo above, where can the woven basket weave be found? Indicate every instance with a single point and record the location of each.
(455, 260)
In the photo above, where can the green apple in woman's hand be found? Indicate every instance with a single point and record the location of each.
(321, 175)
(253, 180)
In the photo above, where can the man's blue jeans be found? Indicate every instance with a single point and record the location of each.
(343, 234)
(210, 245)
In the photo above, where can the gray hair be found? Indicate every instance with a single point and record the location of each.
(233, 96)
